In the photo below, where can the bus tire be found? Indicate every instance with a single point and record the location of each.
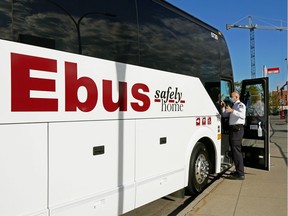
(200, 167)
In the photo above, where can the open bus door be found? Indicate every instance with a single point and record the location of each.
(255, 145)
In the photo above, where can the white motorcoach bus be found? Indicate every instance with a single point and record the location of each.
(106, 105)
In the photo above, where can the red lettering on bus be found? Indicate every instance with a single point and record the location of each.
(72, 84)
(141, 97)
(22, 83)
(108, 103)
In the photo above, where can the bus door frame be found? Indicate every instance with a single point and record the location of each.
(256, 140)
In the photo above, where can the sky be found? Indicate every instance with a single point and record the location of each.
(270, 45)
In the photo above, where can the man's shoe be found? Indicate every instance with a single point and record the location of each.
(236, 177)
(233, 173)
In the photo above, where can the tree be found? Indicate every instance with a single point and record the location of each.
(237, 86)
(273, 102)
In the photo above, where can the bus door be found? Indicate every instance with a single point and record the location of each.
(255, 144)
(226, 89)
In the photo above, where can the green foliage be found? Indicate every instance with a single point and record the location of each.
(273, 103)
(237, 86)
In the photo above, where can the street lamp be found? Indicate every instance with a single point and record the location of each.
(77, 23)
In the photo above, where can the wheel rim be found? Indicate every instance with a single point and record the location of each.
(201, 168)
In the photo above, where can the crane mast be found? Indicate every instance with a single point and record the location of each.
(252, 48)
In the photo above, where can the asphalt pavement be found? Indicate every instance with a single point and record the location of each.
(262, 193)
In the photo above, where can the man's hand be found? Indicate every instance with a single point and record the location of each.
(229, 109)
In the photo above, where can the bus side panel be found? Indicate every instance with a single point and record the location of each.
(160, 165)
(23, 165)
(91, 167)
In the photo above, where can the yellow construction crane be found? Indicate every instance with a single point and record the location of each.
(251, 26)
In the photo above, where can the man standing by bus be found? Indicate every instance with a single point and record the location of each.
(237, 115)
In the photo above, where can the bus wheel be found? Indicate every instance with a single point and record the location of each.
(199, 169)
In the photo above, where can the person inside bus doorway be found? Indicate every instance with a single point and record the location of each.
(237, 115)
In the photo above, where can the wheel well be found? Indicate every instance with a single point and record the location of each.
(211, 150)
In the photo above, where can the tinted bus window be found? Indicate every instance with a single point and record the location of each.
(104, 28)
(226, 67)
(171, 42)
(5, 20)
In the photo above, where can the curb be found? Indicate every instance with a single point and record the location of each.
(201, 196)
